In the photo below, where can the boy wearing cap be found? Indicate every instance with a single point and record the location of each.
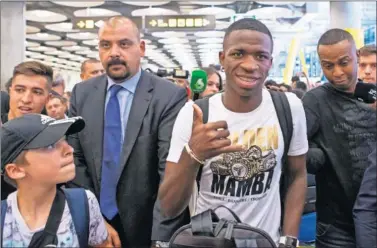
(36, 156)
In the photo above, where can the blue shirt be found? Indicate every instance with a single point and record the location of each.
(125, 97)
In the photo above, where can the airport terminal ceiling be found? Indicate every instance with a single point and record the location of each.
(62, 33)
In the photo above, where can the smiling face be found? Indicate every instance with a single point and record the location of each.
(246, 60)
(339, 64)
(28, 94)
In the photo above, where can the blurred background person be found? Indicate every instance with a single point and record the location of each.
(56, 107)
(367, 60)
(58, 84)
(91, 68)
(214, 83)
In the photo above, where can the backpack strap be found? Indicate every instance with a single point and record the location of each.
(284, 114)
(79, 207)
(4, 207)
(283, 111)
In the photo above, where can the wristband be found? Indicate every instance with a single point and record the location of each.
(192, 155)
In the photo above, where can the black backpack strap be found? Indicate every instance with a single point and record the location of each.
(79, 207)
(4, 207)
(284, 114)
(203, 103)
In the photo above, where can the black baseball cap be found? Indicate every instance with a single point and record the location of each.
(33, 131)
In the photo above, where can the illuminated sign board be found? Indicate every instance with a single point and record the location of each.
(93, 23)
(180, 22)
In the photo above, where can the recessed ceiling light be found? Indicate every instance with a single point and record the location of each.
(44, 16)
(43, 36)
(95, 12)
(62, 27)
(219, 13)
(153, 11)
(79, 4)
(146, 3)
(61, 43)
(32, 30)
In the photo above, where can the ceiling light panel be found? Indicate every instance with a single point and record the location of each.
(211, 2)
(31, 44)
(273, 13)
(44, 16)
(95, 12)
(209, 40)
(146, 3)
(61, 43)
(42, 49)
(75, 48)
(65, 27)
(43, 37)
(56, 53)
(79, 4)
(91, 42)
(173, 41)
(210, 34)
(84, 52)
(32, 30)
(219, 13)
(82, 36)
(169, 34)
(153, 11)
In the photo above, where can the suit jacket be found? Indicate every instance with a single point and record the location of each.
(155, 107)
(365, 209)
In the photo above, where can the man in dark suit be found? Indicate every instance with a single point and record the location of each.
(365, 209)
(121, 153)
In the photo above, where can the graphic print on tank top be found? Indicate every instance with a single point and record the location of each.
(250, 172)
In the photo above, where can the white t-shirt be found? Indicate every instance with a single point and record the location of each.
(246, 182)
(17, 234)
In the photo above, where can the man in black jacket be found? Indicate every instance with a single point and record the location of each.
(344, 130)
(365, 210)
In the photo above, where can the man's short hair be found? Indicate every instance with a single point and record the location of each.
(334, 36)
(88, 61)
(270, 82)
(368, 50)
(301, 85)
(62, 99)
(249, 24)
(116, 20)
(34, 68)
(295, 79)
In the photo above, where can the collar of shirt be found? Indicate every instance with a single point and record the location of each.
(129, 84)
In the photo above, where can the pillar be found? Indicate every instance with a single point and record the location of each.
(347, 15)
(13, 31)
